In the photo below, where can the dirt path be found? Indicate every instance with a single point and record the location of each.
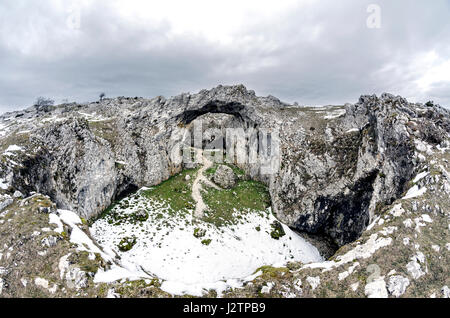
(200, 205)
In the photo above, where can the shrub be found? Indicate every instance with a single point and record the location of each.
(127, 243)
(277, 231)
(43, 103)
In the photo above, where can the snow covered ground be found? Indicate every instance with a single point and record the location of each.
(213, 258)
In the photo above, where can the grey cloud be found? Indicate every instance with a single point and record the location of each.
(280, 56)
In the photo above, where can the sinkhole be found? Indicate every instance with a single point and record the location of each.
(157, 233)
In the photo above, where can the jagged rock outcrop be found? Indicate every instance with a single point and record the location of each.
(339, 164)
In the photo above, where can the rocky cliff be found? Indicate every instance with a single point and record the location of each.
(339, 164)
(371, 177)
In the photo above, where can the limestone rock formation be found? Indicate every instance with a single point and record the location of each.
(372, 177)
(224, 177)
(339, 164)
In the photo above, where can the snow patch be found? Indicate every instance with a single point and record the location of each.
(362, 251)
(313, 281)
(54, 219)
(224, 257)
(4, 185)
(335, 114)
(420, 176)
(414, 192)
(266, 289)
(354, 286)
(350, 270)
(414, 267)
(397, 285)
(14, 148)
(397, 210)
(376, 289)
(423, 147)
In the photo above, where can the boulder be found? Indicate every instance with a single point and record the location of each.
(224, 177)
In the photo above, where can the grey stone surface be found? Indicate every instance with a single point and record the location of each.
(224, 177)
(338, 164)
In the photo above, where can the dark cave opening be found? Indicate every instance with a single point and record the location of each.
(215, 107)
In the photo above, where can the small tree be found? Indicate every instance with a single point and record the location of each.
(102, 95)
(43, 103)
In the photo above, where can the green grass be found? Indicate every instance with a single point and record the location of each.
(206, 242)
(175, 191)
(211, 171)
(245, 195)
(277, 230)
(82, 259)
(127, 243)
(198, 233)
(270, 271)
(237, 171)
(105, 129)
(22, 139)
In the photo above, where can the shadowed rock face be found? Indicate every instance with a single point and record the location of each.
(339, 163)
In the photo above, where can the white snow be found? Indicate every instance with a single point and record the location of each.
(392, 272)
(78, 236)
(423, 147)
(408, 223)
(84, 242)
(354, 286)
(14, 148)
(41, 282)
(4, 184)
(374, 222)
(420, 176)
(397, 210)
(335, 114)
(362, 251)
(3, 130)
(388, 230)
(350, 270)
(376, 289)
(397, 285)
(414, 267)
(313, 281)
(69, 217)
(419, 224)
(118, 273)
(266, 289)
(414, 192)
(54, 219)
(112, 294)
(445, 292)
(426, 218)
(167, 248)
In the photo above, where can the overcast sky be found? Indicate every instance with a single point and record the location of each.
(313, 52)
